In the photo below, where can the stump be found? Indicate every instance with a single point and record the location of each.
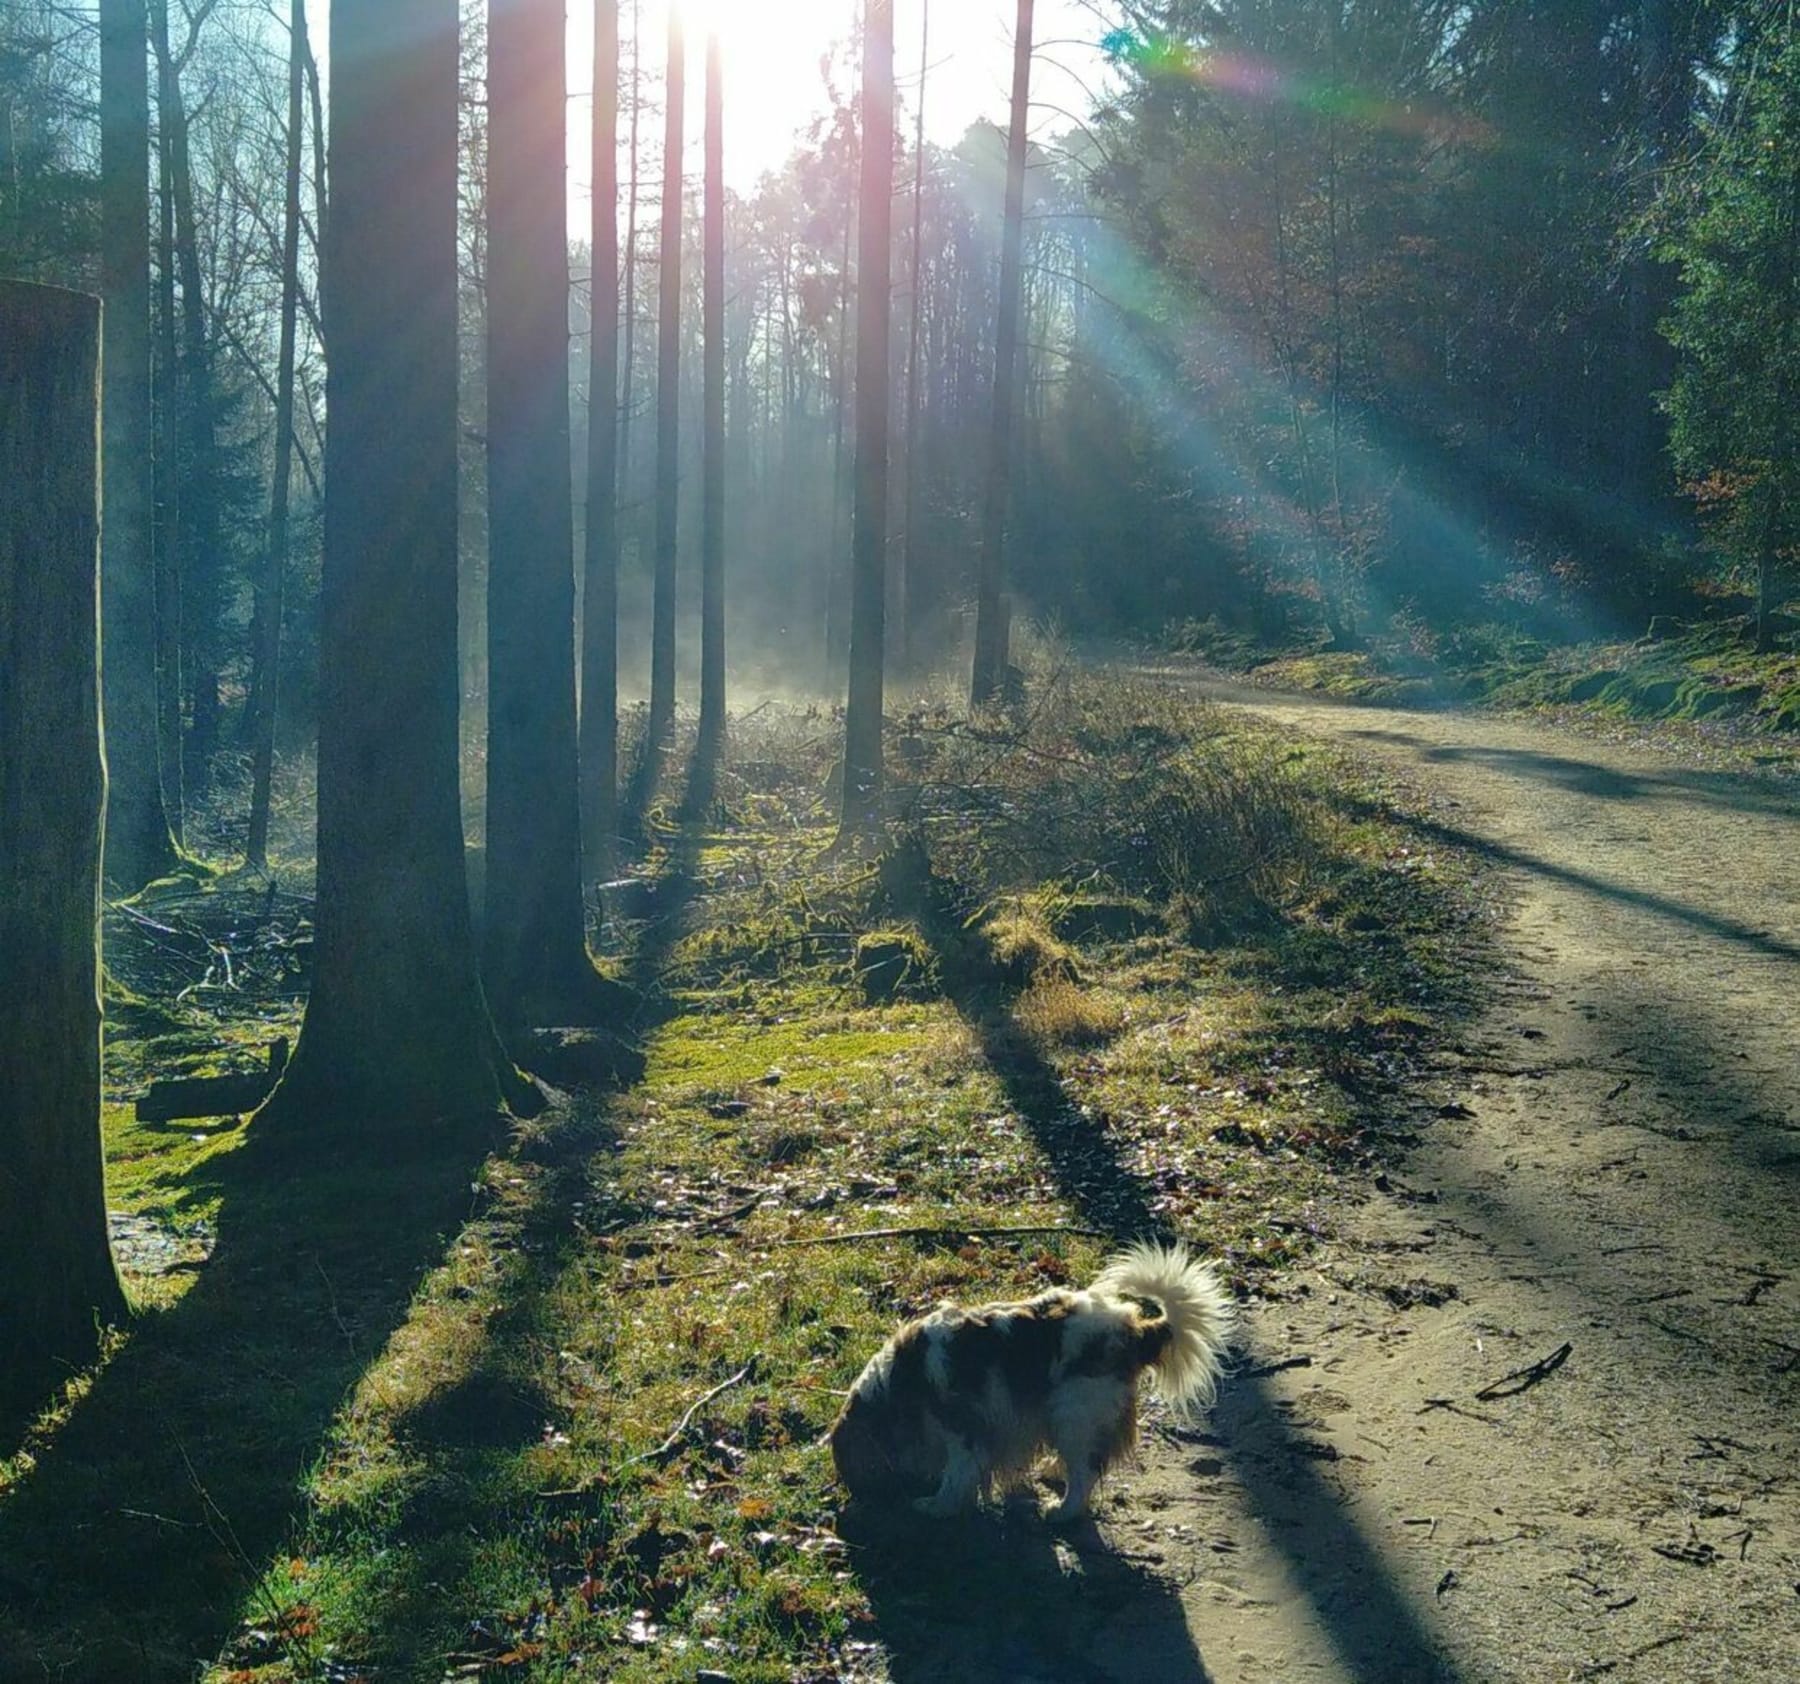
(57, 1280)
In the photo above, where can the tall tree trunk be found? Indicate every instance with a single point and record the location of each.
(668, 409)
(397, 1030)
(837, 577)
(628, 379)
(868, 584)
(140, 844)
(271, 590)
(712, 526)
(537, 967)
(201, 584)
(169, 688)
(600, 598)
(57, 1281)
(992, 632)
(905, 586)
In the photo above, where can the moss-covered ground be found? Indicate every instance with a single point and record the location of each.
(545, 1401)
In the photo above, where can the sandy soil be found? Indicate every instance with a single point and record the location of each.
(1618, 1174)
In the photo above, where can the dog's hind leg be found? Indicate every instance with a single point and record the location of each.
(1090, 1433)
(957, 1486)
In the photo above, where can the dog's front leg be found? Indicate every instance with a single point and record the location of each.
(956, 1487)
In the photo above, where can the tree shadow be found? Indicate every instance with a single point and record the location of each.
(1378, 1633)
(1731, 791)
(127, 1550)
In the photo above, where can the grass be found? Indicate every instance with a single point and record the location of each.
(1705, 671)
(548, 1404)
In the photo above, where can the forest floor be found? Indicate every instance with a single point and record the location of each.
(1454, 1039)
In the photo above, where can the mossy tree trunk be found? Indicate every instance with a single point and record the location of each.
(140, 845)
(869, 530)
(599, 742)
(57, 1281)
(668, 409)
(397, 1029)
(536, 962)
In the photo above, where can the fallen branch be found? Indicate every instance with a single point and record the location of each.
(672, 1443)
(1523, 1379)
(1266, 1369)
(929, 1233)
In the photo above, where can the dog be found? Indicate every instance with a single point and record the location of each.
(967, 1399)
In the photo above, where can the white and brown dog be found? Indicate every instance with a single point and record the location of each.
(964, 1399)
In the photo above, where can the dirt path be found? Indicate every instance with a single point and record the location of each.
(1619, 1175)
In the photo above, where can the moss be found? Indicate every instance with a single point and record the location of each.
(1021, 949)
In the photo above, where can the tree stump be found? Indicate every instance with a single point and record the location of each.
(57, 1280)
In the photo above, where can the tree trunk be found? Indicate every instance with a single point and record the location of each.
(712, 541)
(140, 846)
(271, 591)
(600, 598)
(168, 508)
(201, 584)
(57, 1282)
(903, 594)
(992, 633)
(868, 585)
(628, 512)
(397, 1031)
(537, 967)
(668, 375)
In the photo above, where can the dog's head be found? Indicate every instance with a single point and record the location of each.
(879, 1457)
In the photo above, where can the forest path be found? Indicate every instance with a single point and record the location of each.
(1620, 1172)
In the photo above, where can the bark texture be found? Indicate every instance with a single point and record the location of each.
(712, 533)
(668, 409)
(397, 1030)
(992, 612)
(139, 843)
(536, 963)
(599, 742)
(57, 1281)
(874, 310)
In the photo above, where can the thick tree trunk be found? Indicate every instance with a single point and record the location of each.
(600, 599)
(536, 963)
(712, 540)
(57, 1282)
(668, 375)
(139, 844)
(629, 519)
(992, 632)
(271, 592)
(874, 309)
(397, 1031)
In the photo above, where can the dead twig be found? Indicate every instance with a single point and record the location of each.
(1523, 1379)
(940, 1232)
(1264, 1370)
(672, 1443)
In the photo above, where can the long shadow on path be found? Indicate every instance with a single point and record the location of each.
(1378, 1633)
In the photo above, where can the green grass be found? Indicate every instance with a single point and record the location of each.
(549, 1404)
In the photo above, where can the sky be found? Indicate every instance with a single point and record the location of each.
(773, 87)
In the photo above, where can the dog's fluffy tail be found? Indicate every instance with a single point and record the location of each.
(1199, 1312)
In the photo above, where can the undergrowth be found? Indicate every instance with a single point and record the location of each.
(1128, 967)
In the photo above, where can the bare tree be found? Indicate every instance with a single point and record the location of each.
(868, 585)
(992, 612)
(916, 312)
(397, 1030)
